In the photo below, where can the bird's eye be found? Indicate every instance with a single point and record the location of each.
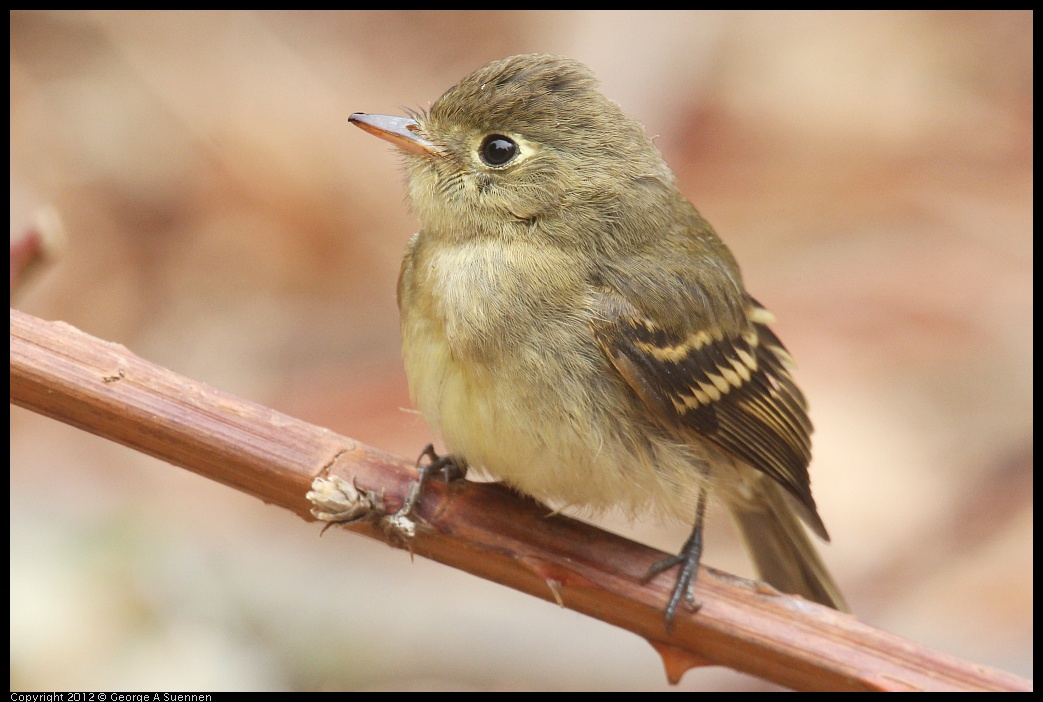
(496, 150)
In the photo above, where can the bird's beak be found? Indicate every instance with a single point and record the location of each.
(400, 131)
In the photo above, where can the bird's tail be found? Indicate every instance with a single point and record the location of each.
(783, 554)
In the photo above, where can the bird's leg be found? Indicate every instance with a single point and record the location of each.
(451, 467)
(688, 559)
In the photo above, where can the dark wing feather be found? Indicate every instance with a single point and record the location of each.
(734, 389)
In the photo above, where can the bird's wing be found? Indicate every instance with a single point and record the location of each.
(733, 389)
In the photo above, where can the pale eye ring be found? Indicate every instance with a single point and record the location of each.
(498, 150)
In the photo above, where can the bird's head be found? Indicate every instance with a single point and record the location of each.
(524, 144)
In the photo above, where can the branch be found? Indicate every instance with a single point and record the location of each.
(484, 529)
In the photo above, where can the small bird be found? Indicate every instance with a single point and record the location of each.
(572, 325)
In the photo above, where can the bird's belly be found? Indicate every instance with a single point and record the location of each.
(502, 362)
(558, 441)
(499, 417)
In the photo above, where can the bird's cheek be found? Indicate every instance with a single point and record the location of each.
(529, 200)
(483, 182)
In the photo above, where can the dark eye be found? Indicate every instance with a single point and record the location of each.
(496, 149)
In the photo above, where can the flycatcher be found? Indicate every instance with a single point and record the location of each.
(572, 325)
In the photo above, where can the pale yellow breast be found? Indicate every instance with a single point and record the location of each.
(503, 365)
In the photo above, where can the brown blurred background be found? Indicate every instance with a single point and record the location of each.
(871, 171)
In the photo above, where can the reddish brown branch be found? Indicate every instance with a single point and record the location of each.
(105, 389)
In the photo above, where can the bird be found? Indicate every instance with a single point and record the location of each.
(573, 327)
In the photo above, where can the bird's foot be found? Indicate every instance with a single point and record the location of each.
(688, 559)
(451, 467)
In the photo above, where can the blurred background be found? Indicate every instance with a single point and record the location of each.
(872, 172)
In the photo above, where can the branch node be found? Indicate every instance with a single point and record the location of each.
(337, 501)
